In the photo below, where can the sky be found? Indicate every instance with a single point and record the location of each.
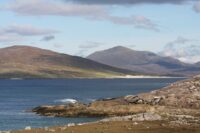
(80, 27)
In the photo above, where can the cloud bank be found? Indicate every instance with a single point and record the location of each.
(132, 2)
(50, 7)
(183, 49)
(13, 33)
(137, 21)
(26, 30)
(196, 6)
(89, 12)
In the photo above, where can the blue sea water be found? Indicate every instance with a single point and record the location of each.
(17, 96)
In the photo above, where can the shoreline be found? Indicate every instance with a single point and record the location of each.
(155, 126)
(112, 77)
(162, 109)
(148, 77)
(168, 106)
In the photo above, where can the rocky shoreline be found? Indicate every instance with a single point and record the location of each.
(182, 95)
(176, 106)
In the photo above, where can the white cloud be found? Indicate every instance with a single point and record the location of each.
(51, 7)
(26, 30)
(17, 33)
(183, 49)
(9, 38)
(137, 21)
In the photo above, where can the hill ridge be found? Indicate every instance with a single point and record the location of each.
(27, 61)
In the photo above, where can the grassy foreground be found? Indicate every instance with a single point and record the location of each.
(117, 127)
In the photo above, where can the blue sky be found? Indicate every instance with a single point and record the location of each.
(79, 28)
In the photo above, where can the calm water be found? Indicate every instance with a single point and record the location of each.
(16, 96)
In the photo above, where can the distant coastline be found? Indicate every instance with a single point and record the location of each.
(146, 76)
(111, 77)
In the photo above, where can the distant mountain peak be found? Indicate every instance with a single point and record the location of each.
(123, 49)
(142, 61)
(120, 48)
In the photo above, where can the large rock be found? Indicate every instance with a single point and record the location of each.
(141, 100)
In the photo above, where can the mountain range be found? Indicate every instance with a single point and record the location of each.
(32, 62)
(144, 62)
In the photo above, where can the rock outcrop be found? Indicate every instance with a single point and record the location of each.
(180, 98)
(182, 94)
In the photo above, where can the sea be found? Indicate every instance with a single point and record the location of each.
(17, 97)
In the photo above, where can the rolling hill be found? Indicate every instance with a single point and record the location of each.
(31, 62)
(143, 62)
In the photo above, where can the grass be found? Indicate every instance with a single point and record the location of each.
(18, 70)
(118, 127)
